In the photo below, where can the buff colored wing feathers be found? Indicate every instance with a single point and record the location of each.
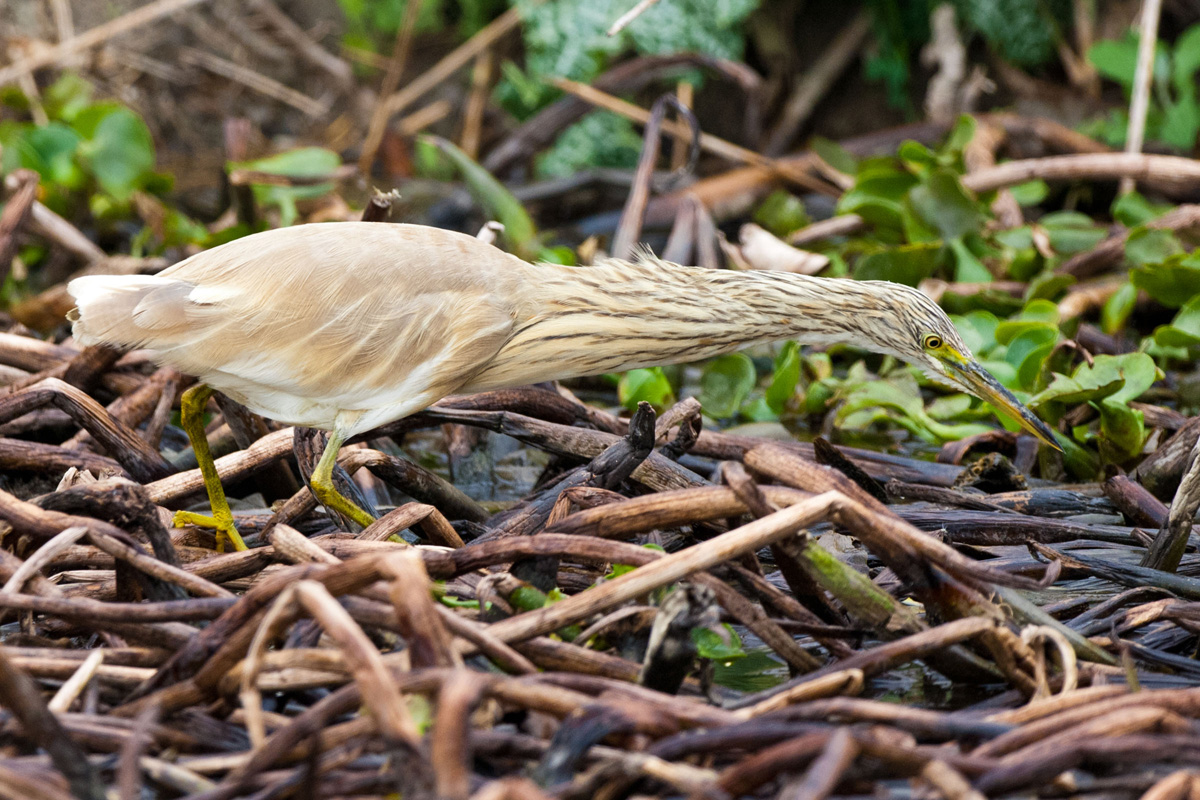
(300, 324)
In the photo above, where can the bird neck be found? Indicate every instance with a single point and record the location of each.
(619, 315)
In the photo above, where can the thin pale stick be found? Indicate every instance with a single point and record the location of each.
(629, 16)
(66, 694)
(708, 142)
(391, 79)
(1139, 104)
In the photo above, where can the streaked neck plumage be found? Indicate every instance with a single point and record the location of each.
(619, 315)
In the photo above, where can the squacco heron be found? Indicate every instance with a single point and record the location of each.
(347, 326)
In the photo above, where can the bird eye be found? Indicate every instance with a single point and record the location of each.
(933, 342)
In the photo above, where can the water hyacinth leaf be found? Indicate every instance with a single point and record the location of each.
(1185, 62)
(878, 193)
(786, 378)
(1027, 350)
(1133, 209)
(1151, 246)
(1139, 372)
(757, 672)
(1122, 427)
(1180, 123)
(1123, 378)
(648, 385)
(725, 383)
(1172, 282)
(121, 153)
(1117, 59)
(1030, 193)
(49, 150)
(943, 203)
(967, 267)
(866, 404)
(303, 162)
(1071, 232)
(960, 136)
(1048, 285)
(916, 155)
(908, 264)
(1036, 314)
(497, 201)
(834, 154)
(978, 329)
(718, 646)
(1184, 330)
(781, 213)
(951, 407)
(1117, 308)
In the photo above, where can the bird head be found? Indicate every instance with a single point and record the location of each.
(915, 328)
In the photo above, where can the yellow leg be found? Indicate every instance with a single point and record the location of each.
(191, 413)
(326, 493)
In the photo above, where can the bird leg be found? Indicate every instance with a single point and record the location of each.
(321, 483)
(191, 414)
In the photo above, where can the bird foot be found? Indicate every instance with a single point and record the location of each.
(225, 530)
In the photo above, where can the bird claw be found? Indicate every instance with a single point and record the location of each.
(225, 530)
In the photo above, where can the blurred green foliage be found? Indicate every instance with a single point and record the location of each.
(1024, 32)
(98, 152)
(1174, 114)
(372, 24)
(600, 139)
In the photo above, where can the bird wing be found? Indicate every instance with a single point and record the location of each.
(345, 316)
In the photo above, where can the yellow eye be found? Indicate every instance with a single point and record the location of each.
(933, 342)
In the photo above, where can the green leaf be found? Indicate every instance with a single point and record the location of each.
(1139, 372)
(1184, 330)
(1028, 350)
(645, 385)
(1117, 308)
(1172, 282)
(50, 151)
(1048, 286)
(1123, 427)
(878, 192)
(1151, 245)
(757, 672)
(1071, 232)
(1132, 209)
(834, 154)
(917, 155)
(67, 96)
(960, 136)
(498, 203)
(303, 162)
(1030, 193)
(943, 203)
(781, 213)
(723, 646)
(1180, 124)
(1117, 60)
(121, 153)
(967, 267)
(1186, 62)
(1037, 314)
(786, 378)
(1120, 378)
(907, 264)
(726, 381)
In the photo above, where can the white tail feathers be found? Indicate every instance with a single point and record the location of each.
(110, 309)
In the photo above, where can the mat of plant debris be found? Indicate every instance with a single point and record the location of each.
(671, 611)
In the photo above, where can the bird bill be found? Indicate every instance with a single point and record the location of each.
(983, 385)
